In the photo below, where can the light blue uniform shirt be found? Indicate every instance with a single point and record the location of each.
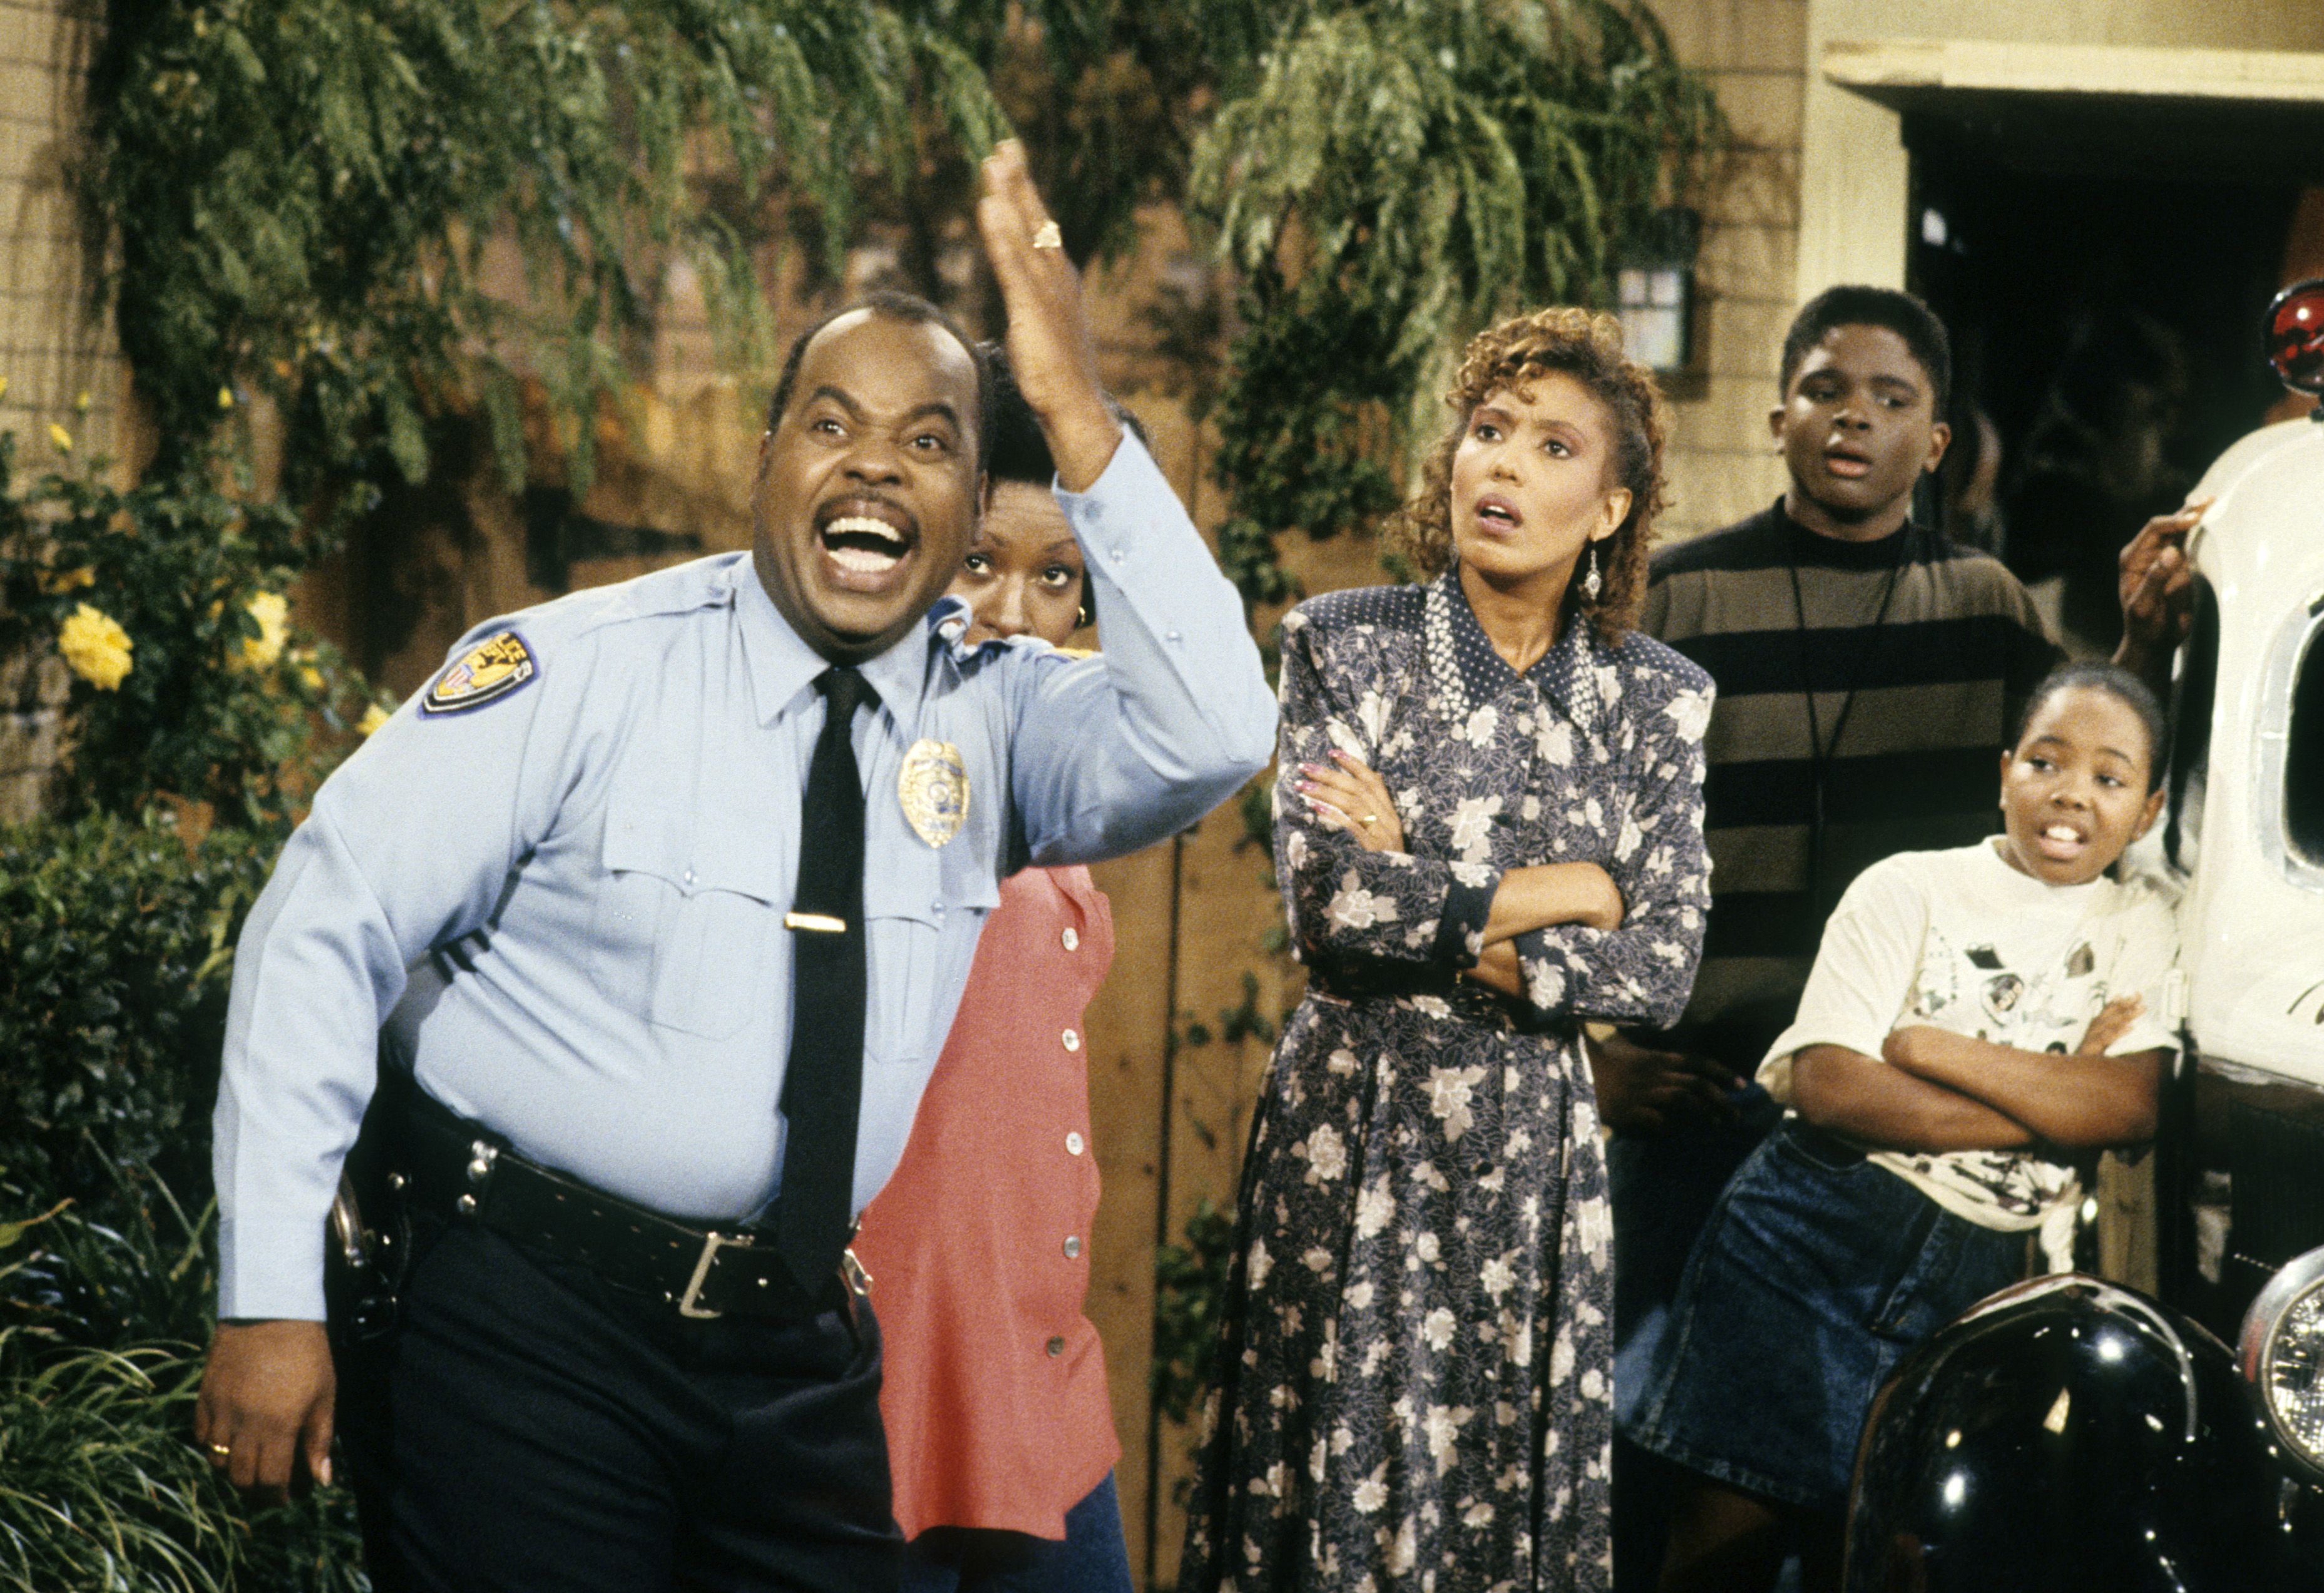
(563, 907)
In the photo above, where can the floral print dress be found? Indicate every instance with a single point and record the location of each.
(1415, 1380)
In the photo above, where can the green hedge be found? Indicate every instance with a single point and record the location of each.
(99, 1488)
(114, 942)
(115, 938)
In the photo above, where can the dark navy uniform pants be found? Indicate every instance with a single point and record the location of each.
(529, 1427)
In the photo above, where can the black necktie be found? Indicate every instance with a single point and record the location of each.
(823, 1086)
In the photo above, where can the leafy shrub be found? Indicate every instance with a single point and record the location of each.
(215, 700)
(115, 939)
(148, 1276)
(101, 1487)
(1190, 1289)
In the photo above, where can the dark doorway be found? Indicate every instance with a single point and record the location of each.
(2104, 304)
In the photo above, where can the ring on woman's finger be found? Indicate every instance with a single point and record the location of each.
(1370, 819)
(221, 1449)
(1048, 237)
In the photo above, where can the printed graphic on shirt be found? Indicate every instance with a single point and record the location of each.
(934, 790)
(485, 673)
(1973, 990)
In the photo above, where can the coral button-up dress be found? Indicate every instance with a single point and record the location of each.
(994, 1394)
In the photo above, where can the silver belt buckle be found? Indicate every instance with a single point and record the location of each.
(711, 1244)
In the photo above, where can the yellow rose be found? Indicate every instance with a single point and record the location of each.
(226, 398)
(273, 617)
(374, 717)
(60, 436)
(96, 648)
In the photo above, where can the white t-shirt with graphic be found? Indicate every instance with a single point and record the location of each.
(1959, 939)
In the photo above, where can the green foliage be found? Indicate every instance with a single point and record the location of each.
(309, 194)
(1301, 409)
(114, 940)
(94, 1492)
(213, 707)
(100, 1487)
(1255, 808)
(145, 1275)
(1108, 98)
(1440, 164)
(1244, 1020)
(1389, 175)
(1190, 1285)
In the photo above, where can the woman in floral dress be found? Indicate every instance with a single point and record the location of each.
(1487, 822)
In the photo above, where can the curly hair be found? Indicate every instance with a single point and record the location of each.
(1587, 347)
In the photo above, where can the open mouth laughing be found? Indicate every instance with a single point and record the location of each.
(865, 541)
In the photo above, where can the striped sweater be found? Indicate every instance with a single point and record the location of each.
(1930, 690)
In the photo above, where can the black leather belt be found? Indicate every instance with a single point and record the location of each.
(442, 1162)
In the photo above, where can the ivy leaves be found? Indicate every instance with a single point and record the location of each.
(361, 204)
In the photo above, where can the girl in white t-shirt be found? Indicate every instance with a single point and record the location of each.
(1979, 1020)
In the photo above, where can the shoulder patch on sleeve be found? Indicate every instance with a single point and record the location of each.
(490, 671)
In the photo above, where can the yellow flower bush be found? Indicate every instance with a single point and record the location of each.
(272, 614)
(96, 648)
(60, 436)
(374, 717)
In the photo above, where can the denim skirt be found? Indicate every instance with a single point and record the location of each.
(1817, 1271)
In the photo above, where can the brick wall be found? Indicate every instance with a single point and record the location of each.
(1722, 465)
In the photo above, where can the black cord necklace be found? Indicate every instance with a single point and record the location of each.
(1821, 752)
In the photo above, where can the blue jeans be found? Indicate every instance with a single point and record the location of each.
(1092, 1559)
(1817, 1272)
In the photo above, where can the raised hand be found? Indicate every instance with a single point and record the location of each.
(1049, 347)
(2156, 587)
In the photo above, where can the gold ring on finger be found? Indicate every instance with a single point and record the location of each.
(1370, 819)
(221, 1449)
(1048, 237)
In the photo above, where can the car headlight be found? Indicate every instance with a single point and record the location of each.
(2283, 1354)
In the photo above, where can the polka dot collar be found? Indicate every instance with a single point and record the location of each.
(1467, 670)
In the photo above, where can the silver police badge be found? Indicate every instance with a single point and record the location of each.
(934, 789)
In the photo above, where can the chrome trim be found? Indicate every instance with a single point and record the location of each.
(2256, 1345)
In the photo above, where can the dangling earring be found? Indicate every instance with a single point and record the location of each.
(1589, 581)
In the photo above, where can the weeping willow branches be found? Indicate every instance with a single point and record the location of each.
(1397, 173)
(308, 194)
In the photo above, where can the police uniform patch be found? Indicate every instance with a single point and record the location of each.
(934, 790)
(485, 673)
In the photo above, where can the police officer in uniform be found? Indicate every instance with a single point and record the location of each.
(580, 926)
